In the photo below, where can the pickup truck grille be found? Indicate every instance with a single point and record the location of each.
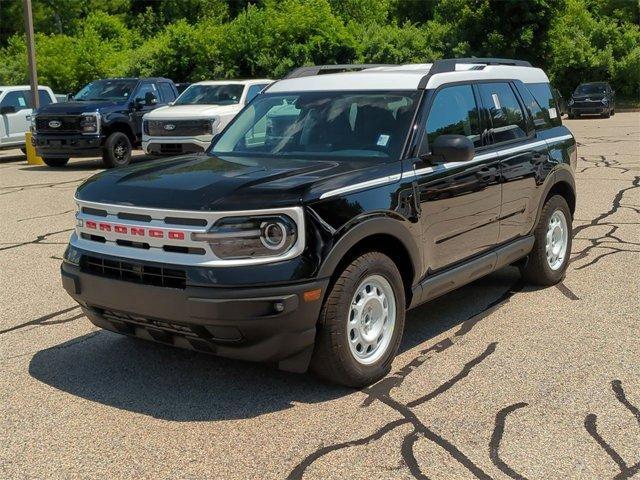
(177, 128)
(66, 123)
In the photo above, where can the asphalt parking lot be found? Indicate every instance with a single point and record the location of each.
(496, 380)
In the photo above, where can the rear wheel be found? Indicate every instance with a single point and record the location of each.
(606, 114)
(55, 162)
(361, 322)
(117, 150)
(549, 258)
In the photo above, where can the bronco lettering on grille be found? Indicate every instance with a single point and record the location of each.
(135, 231)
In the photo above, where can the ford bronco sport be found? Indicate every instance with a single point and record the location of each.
(328, 207)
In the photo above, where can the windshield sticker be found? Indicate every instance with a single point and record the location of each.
(553, 113)
(496, 100)
(383, 140)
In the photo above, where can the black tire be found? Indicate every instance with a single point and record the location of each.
(613, 112)
(537, 269)
(55, 162)
(117, 150)
(332, 358)
(607, 114)
(571, 116)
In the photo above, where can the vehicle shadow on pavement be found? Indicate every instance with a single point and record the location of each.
(180, 385)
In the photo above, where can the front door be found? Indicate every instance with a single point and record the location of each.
(16, 123)
(460, 202)
(146, 98)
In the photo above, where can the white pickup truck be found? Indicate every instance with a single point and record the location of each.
(15, 111)
(201, 111)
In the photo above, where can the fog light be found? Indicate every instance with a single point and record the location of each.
(278, 307)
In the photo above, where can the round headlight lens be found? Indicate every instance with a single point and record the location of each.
(273, 235)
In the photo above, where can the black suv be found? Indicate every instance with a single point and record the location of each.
(103, 119)
(329, 206)
(594, 98)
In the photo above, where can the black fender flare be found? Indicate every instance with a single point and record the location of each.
(380, 225)
(560, 175)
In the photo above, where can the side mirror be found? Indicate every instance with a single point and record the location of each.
(138, 103)
(150, 99)
(452, 148)
(7, 109)
(69, 96)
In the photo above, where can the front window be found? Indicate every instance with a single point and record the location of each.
(591, 88)
(222, 94)
(327, 124)
(106, 90)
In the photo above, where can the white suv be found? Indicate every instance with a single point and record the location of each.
(202, 110)
(15, 111)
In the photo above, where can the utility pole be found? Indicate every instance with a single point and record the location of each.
(31, 53)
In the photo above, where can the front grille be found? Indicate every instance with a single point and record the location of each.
(134, 272)
(67, 123)
(177, 128)
(585, 104)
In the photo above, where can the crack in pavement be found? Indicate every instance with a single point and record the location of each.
(46, 216)
(591, 425)
(39, 240)
(45, 320)
(496, 438)
(21, 188)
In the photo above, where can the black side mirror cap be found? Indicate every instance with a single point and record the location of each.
(452, 148)
(7, 109)
(150, 99)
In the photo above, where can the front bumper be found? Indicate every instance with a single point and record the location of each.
(267, 324)
(175, 145)
(65, 146)
(590, 110)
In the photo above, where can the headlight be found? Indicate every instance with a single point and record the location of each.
(90, 122)
(250, 237)
(571, 102)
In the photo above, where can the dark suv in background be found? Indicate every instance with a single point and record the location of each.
(593, 98)
(103, 119)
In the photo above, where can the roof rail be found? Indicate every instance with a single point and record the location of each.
(313, 70)
(449, 65)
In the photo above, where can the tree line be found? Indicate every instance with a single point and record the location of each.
(189, 40)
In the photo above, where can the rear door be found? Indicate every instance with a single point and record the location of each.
(460, 202)
(511, 134)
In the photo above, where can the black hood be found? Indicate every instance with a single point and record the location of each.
(206, 182)
(590, 96)
(75, 108)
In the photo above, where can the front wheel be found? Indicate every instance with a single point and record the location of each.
(549, 258)
(55, 162)
(361, 322)
(117, 150)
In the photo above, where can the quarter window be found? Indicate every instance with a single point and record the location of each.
(542, 93)
(540, 116)
(454, 111)
(507, 118)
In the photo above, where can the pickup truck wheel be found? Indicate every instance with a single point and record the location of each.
(361, 322)
(117, 150)
(549, 259)
(55, 162)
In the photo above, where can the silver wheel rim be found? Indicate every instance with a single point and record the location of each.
(371, 319)
(557, 240)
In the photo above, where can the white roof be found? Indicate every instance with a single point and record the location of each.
(234, 82)
(19, 87)
(406, 77)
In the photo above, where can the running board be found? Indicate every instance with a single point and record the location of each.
(441, 283)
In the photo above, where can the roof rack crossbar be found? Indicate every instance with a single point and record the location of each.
(449, 65)
(313, 70)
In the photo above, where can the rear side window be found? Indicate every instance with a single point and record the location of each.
(507, 118)
(454, 111)
(16, 99)
(166, 93)
(542, 93)
(539, 115)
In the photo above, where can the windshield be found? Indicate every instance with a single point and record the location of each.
(106, 90)
(327, 124)
(228, 94)
(591, 88)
